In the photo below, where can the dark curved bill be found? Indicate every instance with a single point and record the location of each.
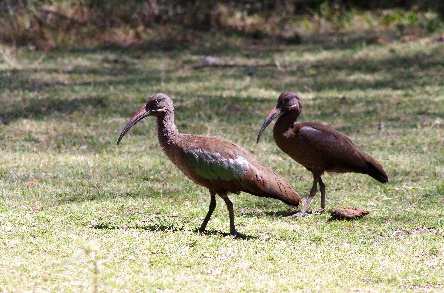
(139, 115)
(270, 117)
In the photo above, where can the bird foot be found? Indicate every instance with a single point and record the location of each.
(237, 235)
(201, 230)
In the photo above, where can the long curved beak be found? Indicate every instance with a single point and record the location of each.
(139, 115)
(275, 113)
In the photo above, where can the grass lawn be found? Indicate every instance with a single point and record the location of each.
(78, 213)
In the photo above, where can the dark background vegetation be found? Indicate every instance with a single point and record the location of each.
(46, 24)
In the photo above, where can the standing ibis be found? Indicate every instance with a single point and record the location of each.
(318, 147)
(219, 165)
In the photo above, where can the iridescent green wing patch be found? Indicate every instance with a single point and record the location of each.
(213, 166)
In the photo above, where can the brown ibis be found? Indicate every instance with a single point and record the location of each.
(316, 146)
(219, 165)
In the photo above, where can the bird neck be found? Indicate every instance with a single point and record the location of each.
(285, 121)
(167, 130)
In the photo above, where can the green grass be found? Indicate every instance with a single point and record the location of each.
(78, 213)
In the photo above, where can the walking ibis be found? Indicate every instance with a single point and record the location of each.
(318, 147)
(219, 165)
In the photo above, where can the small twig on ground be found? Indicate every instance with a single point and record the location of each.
(210, 61)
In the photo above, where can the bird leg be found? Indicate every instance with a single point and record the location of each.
(322, 188)
(229, 204)
(210, 212)
(307, 199)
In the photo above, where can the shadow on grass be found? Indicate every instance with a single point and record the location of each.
(164, 228)
(257, 213)
(193, 42)
(40, 108)
(225, 234)
(232, 41)
(394, 71)
(28, 79)
(143, 226)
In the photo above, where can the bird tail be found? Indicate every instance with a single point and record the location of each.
(375, 170)
(269, 184)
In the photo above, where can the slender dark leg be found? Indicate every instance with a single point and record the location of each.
(229, 204)
(307, 199)
(314, 189)
(210, 212)
(322, 188)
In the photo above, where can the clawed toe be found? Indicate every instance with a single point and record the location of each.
(201, 230)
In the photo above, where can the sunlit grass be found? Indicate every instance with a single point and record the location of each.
(78, 212)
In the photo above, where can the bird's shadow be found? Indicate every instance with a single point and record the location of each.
(165, 228)
(146, 227)
(274, 214)
(225, 234)
(283, 214)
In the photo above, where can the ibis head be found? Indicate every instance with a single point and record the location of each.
(287, 102)
(155, 106)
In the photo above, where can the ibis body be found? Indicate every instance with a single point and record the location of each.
(219, 165)
(316, 146)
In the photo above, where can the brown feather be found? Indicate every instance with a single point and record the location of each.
(320, 148)
(258, 180)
